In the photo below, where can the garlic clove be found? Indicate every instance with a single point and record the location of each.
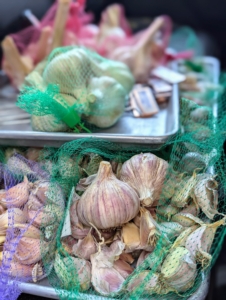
(170, 229)
(186, 219)
(105, 278)
(184, 190)
(33, 202)
(28, 231)
(179, 269)
(79, 268)
(191, 209)
(78, 233)
(37, 272)
(142, 257)
(131, 236)
(67, 243)
(107, 202)
(84, 183)
(40, 189)
(18, 195)
(127, 257)
(151, 286)
(123, 268)
(200, 241)
(73, 212)
(206, 195)
(148, 184)
(147, 230)
(136, 220)
(182, 238)
(84, 248)
(167, 211)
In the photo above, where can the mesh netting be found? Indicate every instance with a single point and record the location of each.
(140, 224)
(27, 222)
(75, 85)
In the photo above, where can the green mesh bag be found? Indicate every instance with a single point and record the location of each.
(140, 224)
(72, 86)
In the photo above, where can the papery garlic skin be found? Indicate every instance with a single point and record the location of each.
(84, 248)
(107, 202)
(179, 269)
(145, 173)
(206, 195)
(151, 286)
(105, 278)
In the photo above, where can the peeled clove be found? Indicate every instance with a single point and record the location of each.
(131, 236)
(145, 173)
(84, 248)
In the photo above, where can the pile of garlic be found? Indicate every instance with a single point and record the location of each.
(29, 221)
(120, 217)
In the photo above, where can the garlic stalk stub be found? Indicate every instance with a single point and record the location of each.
(145, 173)
(107, 202)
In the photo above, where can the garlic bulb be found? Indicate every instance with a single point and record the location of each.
(206, 195)
(179, 269)
(145, 173)
(84, 248)
(18, 195)
(105, 278)
(28, 250)
(200, 241)
(105, 111)
(48, 123)
(79, 268)
(107, 202)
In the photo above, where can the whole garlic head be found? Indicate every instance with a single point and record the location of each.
(107, 202)
(146, 174)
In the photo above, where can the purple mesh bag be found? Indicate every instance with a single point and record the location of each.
(30, 207)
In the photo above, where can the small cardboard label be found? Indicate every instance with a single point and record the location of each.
(66, 231)
(168, 75)
(146, 102)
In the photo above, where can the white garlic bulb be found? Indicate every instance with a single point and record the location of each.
(107, 202)
(146, 174)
